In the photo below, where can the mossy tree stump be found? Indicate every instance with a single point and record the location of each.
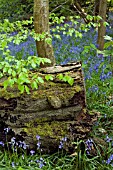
(54, 111)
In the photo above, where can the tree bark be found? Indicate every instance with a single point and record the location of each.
(102, 27)
(41, 25)
(96, 7)
(54, 111)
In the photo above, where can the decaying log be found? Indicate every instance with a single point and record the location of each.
(54, 111)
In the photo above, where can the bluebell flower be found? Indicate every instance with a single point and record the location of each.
(37, 137)
(6, 130)
(32, 152)
(41, 162)
(110, 159)
(13, 141)
(94, 88)
(108, 139)
(13, 164)
(21, 144)
(61, 145)
(89, 145)
(62, 142)
(2, 143)
(38, 145)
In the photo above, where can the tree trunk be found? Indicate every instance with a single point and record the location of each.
(41, 25)
(102, 28)
(96, 7)
(54, 111)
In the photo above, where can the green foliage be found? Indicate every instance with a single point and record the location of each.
(18, 73)
(66, 78)
(17, 70)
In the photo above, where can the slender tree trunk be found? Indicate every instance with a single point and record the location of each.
(96, 7)
(41, 25)
(102, 28)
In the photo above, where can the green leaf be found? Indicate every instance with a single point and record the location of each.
(11, 82)
(71, 81)
(24, 70)
(65, 78)
(49, 77)
(60, 76)
(108, 38)
(1, 75)
(108, 44)
(21, 88)
(9, 71)
(13, 73)
(34, 85)
(27, 89)
(4, 44)
(58, 36)
(40, 79)
(93, 46)
(33, 64)
(5, 69)
(6, 83)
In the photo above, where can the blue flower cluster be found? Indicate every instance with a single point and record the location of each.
(110, 160)
(62, 142)
(89, 145)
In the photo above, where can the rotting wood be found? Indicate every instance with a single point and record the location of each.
(54, 111)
